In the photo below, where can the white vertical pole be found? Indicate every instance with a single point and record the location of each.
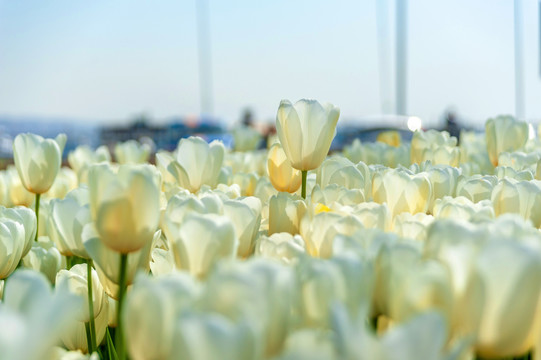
(401, 56)
(204, 57)
(384, 55)
(519, 62)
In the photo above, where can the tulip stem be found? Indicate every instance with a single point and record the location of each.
(88, 337)
(119, 335)
(90, 307)
(303, 189)
(38, 196)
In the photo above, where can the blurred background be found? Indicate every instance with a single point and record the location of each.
(104, 71)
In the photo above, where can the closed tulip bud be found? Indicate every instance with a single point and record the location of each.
(25, 217)
(246, 183)
(519, 160)
(132, 152)
(282, 175)
(220, 337)
(510, 275)
(125, 206)
(66, 222)
(107, 261)
(64, 183)
(285, 212)
(245, 138)
(17, 193)
(519, 197)
(151, 311)
(245, 214)
(45, 258)
(411, 226)
(82, 157)
(196, 163)
(435, 146)
(336, 194)
(74, 281)
(373, 215)
(33, 317)
(476, 187)
(202, 240)
(402, 191)
(264, 189)
(38, 160)
(12, 242)
(444, 180)
(391, 138)
(462, 208)
(504, 133)
(283, 247)
(508, 172)
(341, 171)
(320, 230)
(306, 130)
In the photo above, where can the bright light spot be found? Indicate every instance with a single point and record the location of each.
(531, 132)
(414, 123)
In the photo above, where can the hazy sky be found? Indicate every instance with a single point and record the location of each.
(109, 60)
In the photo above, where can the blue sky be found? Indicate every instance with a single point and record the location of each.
(108, 60)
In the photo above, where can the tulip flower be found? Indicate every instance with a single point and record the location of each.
(82, 157)
(502, 172)
(38, 161)
(285, 212)
(520, 197)
(89, 329)
(12, 243)
(462, 208)
(402, 191)
(196, 163)
(201, 241)
(476, 187)
(151, 311)
(17, 193)
(504, 133)
(510, 275)
(124, 205)
(373, 215)
(306, 130)
(341, 171)
(444, 179)
(436, 146)
(411, 226)
(33, 317)
(45, 258)
(246, 183)
(284, 247)
(245, 138)
(336, 194)
(281, 174)
(391, 138)
(132, 152)
(320, 230)
(25, 217)
(245, 214)
(66, 222)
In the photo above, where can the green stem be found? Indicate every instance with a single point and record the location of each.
(119, 334)
(91, 306)
(88, 337)
(38, 196)
(303, 189)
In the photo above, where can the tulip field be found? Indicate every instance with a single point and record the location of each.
(428, 249)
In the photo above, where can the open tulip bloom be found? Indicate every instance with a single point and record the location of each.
(425, 250)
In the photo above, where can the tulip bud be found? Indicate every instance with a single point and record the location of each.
(38, 160)
(402, 191)
(125, 206)
(82, 157)
(285, 212)
(201, 241)
(245, 214)
(334, 193)
(25, 217)
(435, 146)
(282, 175)
(411, 226)
(284, 247)
(196, 163)
(12, 241)
(245, 138)
(132, 152)
(390, 137)
(476, 187)
(17, 193)
(45, 258)
(504, 133)
(306, 130)
(520, 197)
(462, 208)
